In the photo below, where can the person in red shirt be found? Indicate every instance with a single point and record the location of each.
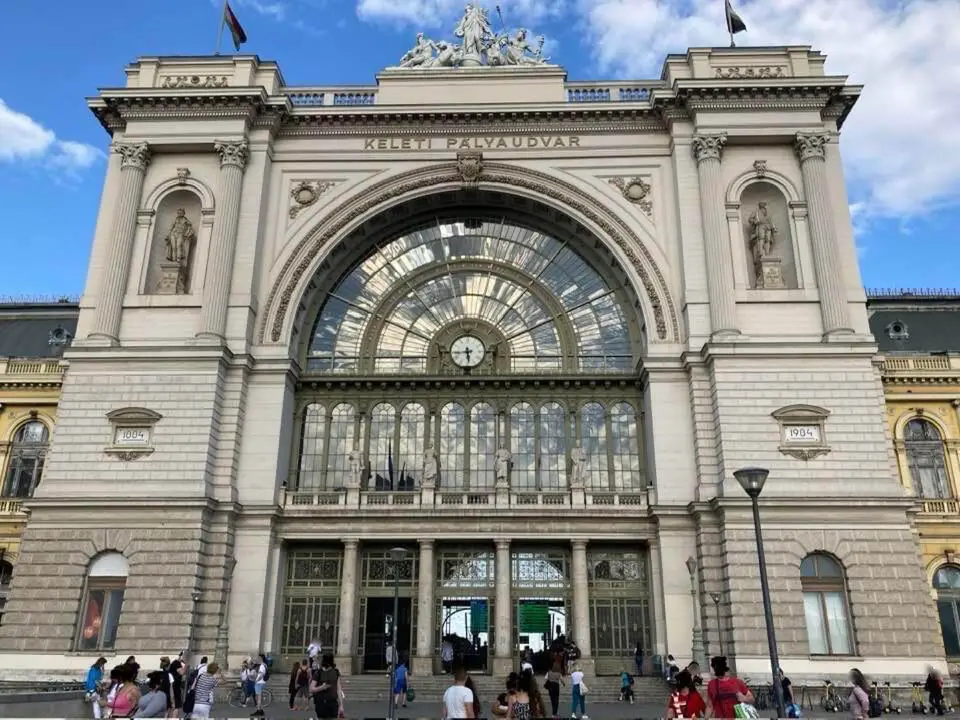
(724, 692)
(685, 701)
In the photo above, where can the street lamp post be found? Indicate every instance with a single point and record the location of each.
(751, 480)
(699, 652)
(397, 555)
(716, 604)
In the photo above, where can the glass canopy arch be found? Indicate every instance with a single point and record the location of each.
(547, 307)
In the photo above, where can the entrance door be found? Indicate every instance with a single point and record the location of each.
(378, 631)
(538, 623)
(464, 623)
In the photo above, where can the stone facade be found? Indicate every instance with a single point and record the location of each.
(237, 526)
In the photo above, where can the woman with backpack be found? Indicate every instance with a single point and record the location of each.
(858, 702)
(724, 692)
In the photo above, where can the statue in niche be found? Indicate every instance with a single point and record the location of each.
(179, 242)
(504, 460)
(578, 457)
(430, 468)
(763, 237)
(357, 467)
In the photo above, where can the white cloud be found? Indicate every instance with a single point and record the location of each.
(24, 139)
(899, 143)
(428, 14)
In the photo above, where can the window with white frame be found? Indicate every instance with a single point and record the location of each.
(825, 605)
(102, 602)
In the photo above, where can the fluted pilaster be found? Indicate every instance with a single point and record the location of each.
(503, 631)
(811, 149)
(581, 598)
(116, 266)
(348, 603)
(216, 286)
(425, 610)
(707, 149)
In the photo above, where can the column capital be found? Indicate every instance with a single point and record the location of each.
(426, 544)
(502, 543)
(232, 152)
(708, 146)
(135, 155)
(579, 545)
(351, 543)
(810, 145)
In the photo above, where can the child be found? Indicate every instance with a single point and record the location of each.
(626, 687)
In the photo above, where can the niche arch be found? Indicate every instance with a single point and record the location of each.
(319, 247)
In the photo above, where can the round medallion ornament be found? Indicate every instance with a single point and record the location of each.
(467, 351)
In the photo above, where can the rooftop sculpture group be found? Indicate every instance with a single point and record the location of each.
(479, 46)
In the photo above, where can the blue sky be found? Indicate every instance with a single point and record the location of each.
(900, 146)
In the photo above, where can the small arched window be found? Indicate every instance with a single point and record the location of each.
(102, 601)
(825, 606)
(946, 582)
(27, 453)
(926, 459)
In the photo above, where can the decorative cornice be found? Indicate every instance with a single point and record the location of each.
(708, 147)
(748, 72)
(194, 81)
(811, 145)
(232, 152)
(135, 155)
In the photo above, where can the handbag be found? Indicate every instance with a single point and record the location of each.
(583, 688)
(411, 695)
(744, 710)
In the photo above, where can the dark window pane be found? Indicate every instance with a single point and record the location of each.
(948, 625)
(808, 567)
(111, 620)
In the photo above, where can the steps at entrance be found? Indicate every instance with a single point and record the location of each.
(431, 688)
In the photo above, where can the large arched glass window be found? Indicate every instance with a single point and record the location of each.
(825, 605)
(453, 434)
(593, 439)
(382, 425)
(413, 430)
(946, 582)
(523, 473)
(925, 457)
(27, 453)
(312, 438)
(483, 446)
(342, 423)
(102, 602)
(553, 447)
(625, 448)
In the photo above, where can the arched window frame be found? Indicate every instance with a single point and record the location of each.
(946, 583)
(26, 459)
(826, 605)
(926, 459)
(102, 602)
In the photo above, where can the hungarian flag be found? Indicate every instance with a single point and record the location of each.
(735, 23)
(236, 29)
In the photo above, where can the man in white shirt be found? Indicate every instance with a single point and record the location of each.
(458, 699)
(313, 652)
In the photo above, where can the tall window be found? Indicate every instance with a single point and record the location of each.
(925, 457)
(6, 575)
(625, 444)
(413, 426)
(102, 601)
(483, 446)
(342, 421)
(553, 447)
(946, 582)
(27, 452)
(825, 606)
(523, 474)
(593, 439)
(312, 438)
(453, 433)
(382, 424)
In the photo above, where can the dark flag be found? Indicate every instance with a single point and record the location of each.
(735, 23)
(390, 463)
(236, 29)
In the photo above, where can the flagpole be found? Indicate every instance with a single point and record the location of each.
(732, 43)
(223, 21)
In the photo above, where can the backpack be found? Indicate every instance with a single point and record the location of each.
(875, 707)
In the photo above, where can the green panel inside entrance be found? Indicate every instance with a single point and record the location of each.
(533, 617)
(479, 614)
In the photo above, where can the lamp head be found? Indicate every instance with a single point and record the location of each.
(715, 597)
(398, 553)
(691, 565)
(751, 479)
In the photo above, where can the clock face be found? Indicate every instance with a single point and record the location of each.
(467, 351)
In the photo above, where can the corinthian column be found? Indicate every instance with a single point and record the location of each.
(723, 308)
(811, 149)
(216, 284)
(503, 660)
(581, 601)
(423, 660)
(348, 604)
(116, 265)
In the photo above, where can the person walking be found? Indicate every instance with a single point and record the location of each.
(552, 684)
(203, 691)
(458, 699)
(578, 693)
(94, 685)
(858, 701)
(325, 688)
(725, 692)
(400, 677)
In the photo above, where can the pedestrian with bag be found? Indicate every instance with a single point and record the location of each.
(729, 697)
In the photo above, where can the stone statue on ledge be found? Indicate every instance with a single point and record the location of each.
(175, 271)
(504, 460)
(430, 468)
(578, 458)
(763, 237)
(357, 467)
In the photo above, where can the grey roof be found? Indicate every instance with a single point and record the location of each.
(31, 330)
(915, 322)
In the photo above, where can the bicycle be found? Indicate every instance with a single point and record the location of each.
(830, 700)
(238, 697)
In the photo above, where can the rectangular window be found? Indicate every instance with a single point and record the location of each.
(948, 625)
(816, 629)
(828, 631)
(100, 617)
